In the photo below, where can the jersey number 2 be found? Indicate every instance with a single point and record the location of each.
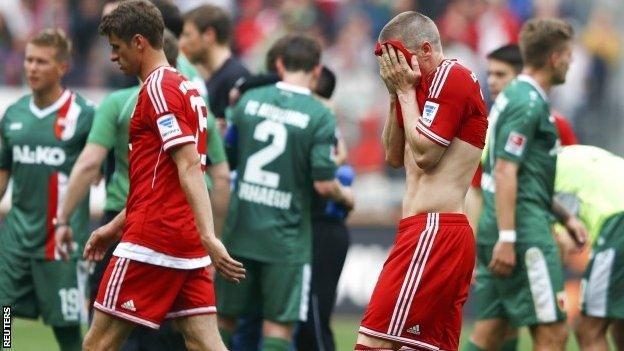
(253, 171)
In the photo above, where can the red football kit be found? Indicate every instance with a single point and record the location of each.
(159, 268)
(424, 283)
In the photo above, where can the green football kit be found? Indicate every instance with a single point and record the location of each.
(39, 148)
(522, 131)
(284, 142)
(588, 183)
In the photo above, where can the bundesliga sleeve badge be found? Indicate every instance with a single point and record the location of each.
(516, 143)
(429, 112)
(168, 127)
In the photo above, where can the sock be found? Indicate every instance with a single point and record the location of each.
(69, 338)
(226, 336)
(275, 344)
(510, 345)
(472, 347)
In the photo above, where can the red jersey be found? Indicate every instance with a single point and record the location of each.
(452, 106)
(160, 225)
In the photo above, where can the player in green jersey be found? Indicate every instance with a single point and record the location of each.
(585, 185)
(518, 183)
(282, 139)
(42, 135)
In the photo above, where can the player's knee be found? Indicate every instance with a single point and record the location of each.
(587, 331)
(551, 334)
(90, 343)
(487, 336)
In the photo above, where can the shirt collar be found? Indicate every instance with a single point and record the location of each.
(293, 88)
(40, 113)
(528, 79)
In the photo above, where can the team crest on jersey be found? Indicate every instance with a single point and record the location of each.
(516, 142)
(168, 127)
(429, 112)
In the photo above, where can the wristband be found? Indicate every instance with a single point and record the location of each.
(507, 236)
(57, 224)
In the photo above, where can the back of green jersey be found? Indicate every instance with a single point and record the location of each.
(285, 141)
(39, 149)
(521, 131)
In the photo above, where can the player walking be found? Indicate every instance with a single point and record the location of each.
(159, 268)
(42, 136)
(436, 129)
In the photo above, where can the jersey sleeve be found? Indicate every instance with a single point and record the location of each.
(518, 124)
(6, 156)
(323, 165)
(173, 120)
(442, 112)
(104, 129)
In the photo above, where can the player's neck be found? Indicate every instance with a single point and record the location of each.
(299, 78)
(47, 97)
(541, 77)
(151, 61)
(427, 67)
(216, 58)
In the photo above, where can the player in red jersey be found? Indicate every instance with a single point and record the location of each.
(424, 283)
(159, 268)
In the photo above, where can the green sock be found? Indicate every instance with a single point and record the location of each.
(275, 344)
(226, 336)
(510, 345)
(68, 338)
(472, 347)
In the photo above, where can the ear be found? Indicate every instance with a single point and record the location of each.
(138, 41)
(63, 67)
(209, 35)
(426, 48)
(279, 64)
(316, 71)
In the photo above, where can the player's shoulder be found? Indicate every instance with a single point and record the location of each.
(22, 104)
(85, 103)
(451, 77)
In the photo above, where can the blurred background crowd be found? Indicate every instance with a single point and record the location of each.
(590, 99)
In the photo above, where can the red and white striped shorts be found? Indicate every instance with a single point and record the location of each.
(424, 283)
(147, 294)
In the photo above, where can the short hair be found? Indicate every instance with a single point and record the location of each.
(300, 53)
(540, 37)
(170, 47)
(135, 17)
(274, 53)
(171, 16)
(412, 29)
(210, 16)
(326, 83)
(56, 38)
(509, 54)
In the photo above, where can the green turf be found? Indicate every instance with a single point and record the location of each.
(34, 336)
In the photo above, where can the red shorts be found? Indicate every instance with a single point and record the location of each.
(147, 294)
(424, 283)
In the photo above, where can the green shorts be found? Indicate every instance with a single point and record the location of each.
(37, 287)
(602, 287)
(533, 294)
(279, 290)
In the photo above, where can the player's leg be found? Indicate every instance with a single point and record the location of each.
(488, 334)
(617, 333)
(237, 300)
(17, 288)
(106, 332)
(511, 340)
(549, 336)
(60, 299)
(201, 332)
(285, 291)
(591, 333)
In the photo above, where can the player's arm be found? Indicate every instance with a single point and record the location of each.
(393, 137)
(220, 175)
(5, 175)
(573, 225)
(191, 177)
(103, 237)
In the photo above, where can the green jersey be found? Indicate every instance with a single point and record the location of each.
(110, 130)
(39, 148)
(521, 131)
(594, 179)
(284, 143)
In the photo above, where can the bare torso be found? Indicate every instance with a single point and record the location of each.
(444, 187)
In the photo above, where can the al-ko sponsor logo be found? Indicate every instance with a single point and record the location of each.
(38, 155)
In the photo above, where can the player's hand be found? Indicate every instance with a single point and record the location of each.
(503, 259)
(402, 77)
(233, 96)
(384, 72)
(63, 236)
(228, 267)
(577, 232)
(348, 198)
(99, 241)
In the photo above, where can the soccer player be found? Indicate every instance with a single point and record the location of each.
(283, 138)
(42, 134)
(435, 129)
(206, 42)
(518, 183)
(585, 184)
(159, 268)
